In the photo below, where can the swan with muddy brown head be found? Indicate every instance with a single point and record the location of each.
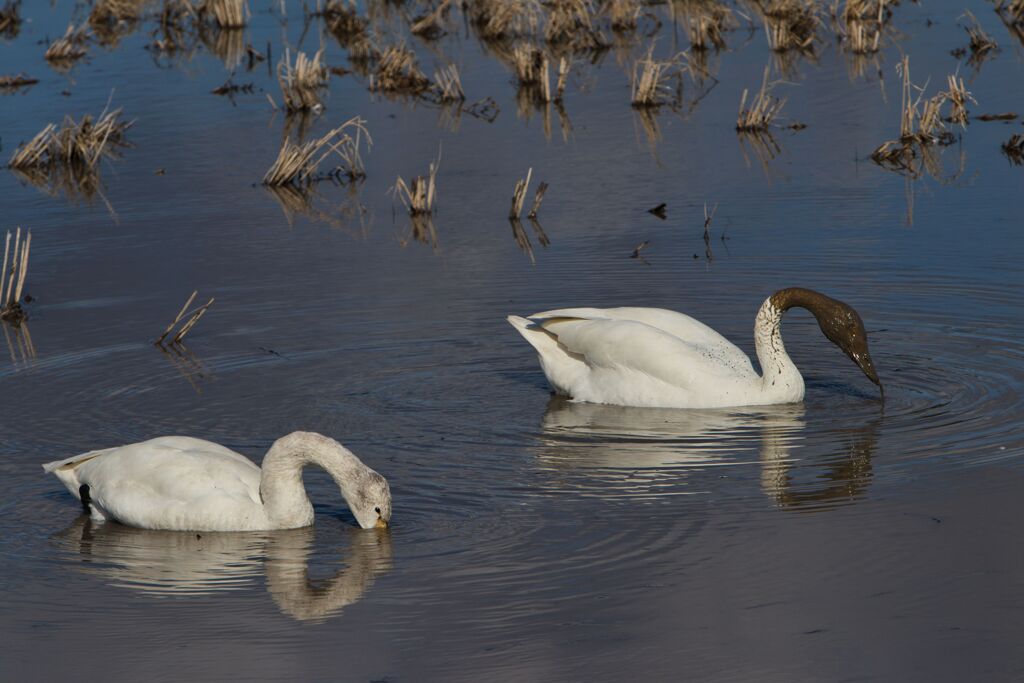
(652, 357)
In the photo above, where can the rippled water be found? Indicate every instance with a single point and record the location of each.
(533, 538)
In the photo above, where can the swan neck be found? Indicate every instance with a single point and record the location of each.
(281, 487)
(779, 375)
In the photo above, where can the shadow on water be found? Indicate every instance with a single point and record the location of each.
(173, 563)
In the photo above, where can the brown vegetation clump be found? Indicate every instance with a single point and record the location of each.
(958, 96)
(622, 14)
(297, 163)
(501, 19)
(302, 81)
(763, 108)
(706, 22)
(398, 71)
(83, 143)
(69, 47)
(111, 20)
(419, 195)
(653, 80)
(791, 24)
(18, 81)
(10, 20)
(921, 124)
(981, 44)
(448, 84)
(225, 13)
(1014, 149)
(344, 21)
(862, 24)
(431, 24)
(570, 24)
(12, 279)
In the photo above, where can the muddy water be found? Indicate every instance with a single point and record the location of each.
(533, 539)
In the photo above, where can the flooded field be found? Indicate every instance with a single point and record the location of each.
(532, 538)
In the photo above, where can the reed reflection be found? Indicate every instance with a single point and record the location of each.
(165, 563)
(645, 451)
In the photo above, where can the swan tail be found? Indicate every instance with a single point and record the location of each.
(562, 368)
(65, 470)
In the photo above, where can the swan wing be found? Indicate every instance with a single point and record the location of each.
(169, 483)
(629, 345)
(679, 325)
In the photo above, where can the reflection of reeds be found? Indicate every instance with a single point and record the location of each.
(622, 14)
(186, 363)
(190, 317)
(763, 108)
(67, 48)
(343, 19)
(302, 81)
(176, 34)
(297, 163)
(10, 20)
(12, 281)
(308, 202)
(1012, 15)
(523, 240)
(763, 144)
(227, 44)
(22, 350)
(226, 13)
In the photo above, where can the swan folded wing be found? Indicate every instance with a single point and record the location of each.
(679, 325)
(162, 486)
(639, 347)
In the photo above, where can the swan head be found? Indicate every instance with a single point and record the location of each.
(370, 501)
(844, 328)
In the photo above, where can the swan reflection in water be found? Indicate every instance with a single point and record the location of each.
(654, 451)
(165, 563)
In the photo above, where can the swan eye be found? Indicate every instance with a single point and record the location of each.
(377, 510)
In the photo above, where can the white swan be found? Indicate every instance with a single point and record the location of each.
(187, 484)
(651, 357)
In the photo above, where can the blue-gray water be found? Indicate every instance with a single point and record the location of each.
(532, 539)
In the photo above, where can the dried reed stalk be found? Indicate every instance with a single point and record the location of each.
(519, 195)
(12, 281)
(651, 80)
(500, 19)
(74, 143)
(448, 84)
(538, 197)
(958, 96)
(398, 71)
(431, 25)
(419, 195)
(763, 109)
(622, 14)
(301, 82)
(706, 22)
(791, 24)
(864, 21)
(226, 13)
(570, 23)
(193, 317)
(297, 163)
(68, 47)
